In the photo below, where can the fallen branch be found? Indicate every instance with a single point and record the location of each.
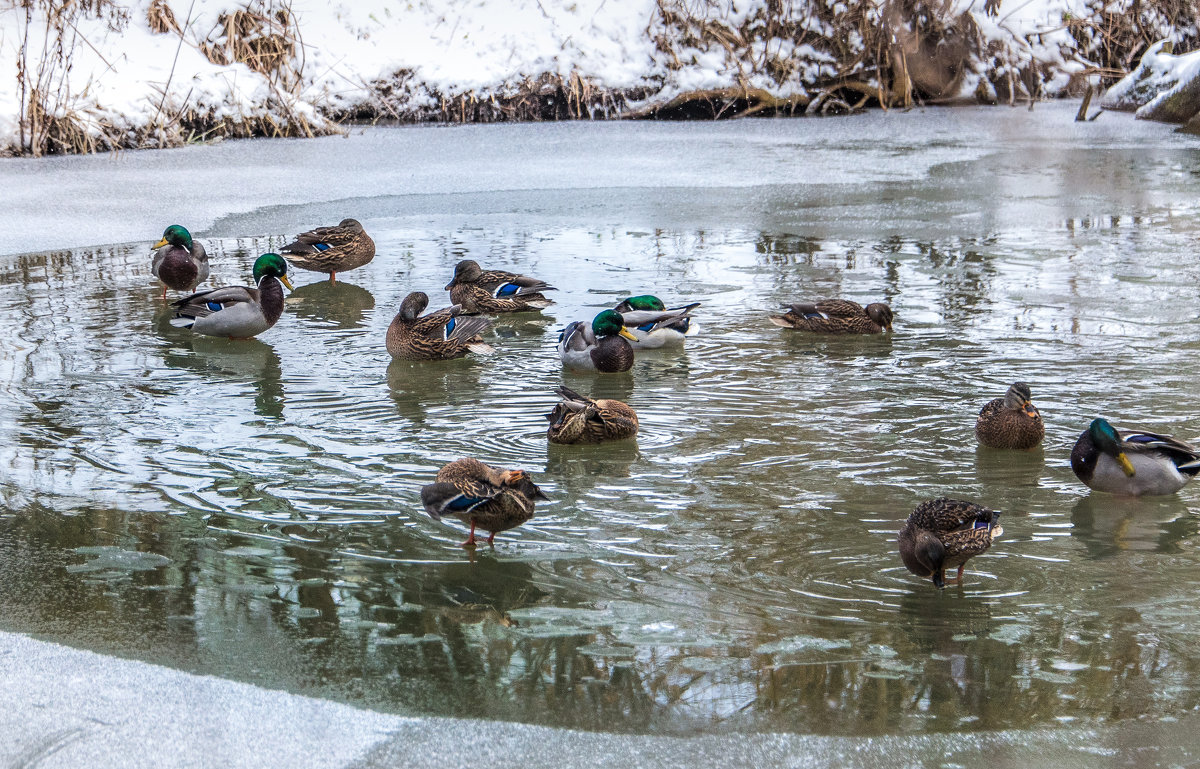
(719, 100)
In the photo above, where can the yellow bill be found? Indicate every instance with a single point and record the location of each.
(1126, 465)
(627, 334)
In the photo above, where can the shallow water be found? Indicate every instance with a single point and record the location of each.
(252, 510)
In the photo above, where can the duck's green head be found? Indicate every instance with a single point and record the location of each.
(175, 235)
(275, 266)
(644, 302)
(1105, 438)
(610, 323)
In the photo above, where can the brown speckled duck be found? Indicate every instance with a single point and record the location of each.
(440, 335)
(343, 247)
(1011, 422)
(943, 533)
(579, 419)
(495, 291)
(179, 262)
(837, 316)
(485, 497)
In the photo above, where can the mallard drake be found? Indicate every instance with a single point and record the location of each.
(1011, 422)
(837, 316)
(439, 335)
(598, 347)
(485, 497)
(332, 249)
(943, 533)
(579, 419)
(648, 319)
(235, 311)
(495, 291)
(179, 262)
(1132, 463)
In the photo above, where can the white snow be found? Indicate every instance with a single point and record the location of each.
(124, 76)
(1157, 77)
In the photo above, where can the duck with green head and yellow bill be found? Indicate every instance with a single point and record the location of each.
(484, 497)
(179, 262)
(478, 290)
(836, 316)
(603, 345)
(1132, 463)
(440, 335)
(944, 533)
(655, 326)
(340, 248)
(1011, 422)
(237, 312)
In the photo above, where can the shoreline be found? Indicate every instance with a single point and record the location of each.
(138, 74)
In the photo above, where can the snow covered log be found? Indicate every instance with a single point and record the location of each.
(1162, 87)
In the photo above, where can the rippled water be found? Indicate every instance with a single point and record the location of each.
(251, 509)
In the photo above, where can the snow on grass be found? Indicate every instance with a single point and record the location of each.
(140, 88)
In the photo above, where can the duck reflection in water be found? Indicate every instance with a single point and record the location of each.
(250, 359)
(342, 304)
(418, 386)
(1108, 524)
(580, 468)
(1019, 473)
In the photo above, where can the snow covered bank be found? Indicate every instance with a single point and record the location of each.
(1163, 87)
(149, 73)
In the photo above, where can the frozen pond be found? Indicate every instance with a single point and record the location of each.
(251, 510)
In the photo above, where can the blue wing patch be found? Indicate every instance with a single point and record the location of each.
(322, 246)
(508, 289)
(463, 502)
(646, 327)
(214, 306)
(450, 327)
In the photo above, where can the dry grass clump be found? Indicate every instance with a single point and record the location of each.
(264, 36)
(550, 96)
(825, 55)
(1114, 34)
(161, 18)
(50, 119)
(64, 132)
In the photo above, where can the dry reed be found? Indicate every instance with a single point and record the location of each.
(161, 18)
